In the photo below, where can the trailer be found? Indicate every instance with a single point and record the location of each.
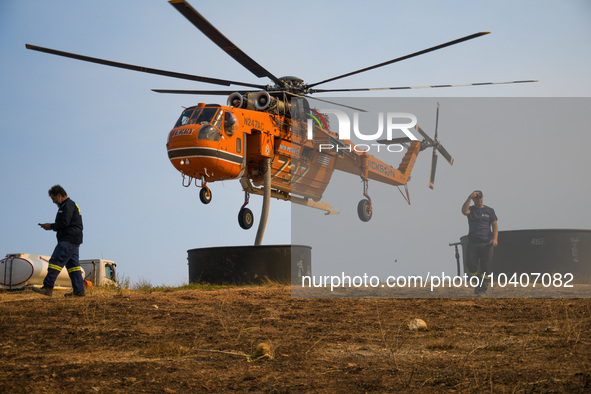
(20, 270)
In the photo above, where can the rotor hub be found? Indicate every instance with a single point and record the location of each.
(292, 84)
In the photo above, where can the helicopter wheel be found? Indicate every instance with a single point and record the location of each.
(364, 210)
(245, 218)
(205, 195)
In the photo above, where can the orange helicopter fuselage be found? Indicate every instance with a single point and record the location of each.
(211, 142)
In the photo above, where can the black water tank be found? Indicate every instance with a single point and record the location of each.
(544, 251)
(249, 264)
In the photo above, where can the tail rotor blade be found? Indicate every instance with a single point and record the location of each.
(436, 121)
(445, 154)
(423, 134)
(433, 168)
(436, 147)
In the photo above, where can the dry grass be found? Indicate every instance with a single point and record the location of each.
(261, 339)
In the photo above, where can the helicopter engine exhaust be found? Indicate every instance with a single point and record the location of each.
(263, 101)
(235, 100)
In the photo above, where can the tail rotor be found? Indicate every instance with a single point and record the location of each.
(429, 142)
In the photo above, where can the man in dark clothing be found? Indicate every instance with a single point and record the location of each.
(482, 238)
(68, 228)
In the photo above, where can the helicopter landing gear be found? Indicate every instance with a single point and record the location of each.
(205, 195)
(364, 208)
(245, 216)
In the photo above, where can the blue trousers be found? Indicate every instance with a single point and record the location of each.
(65, 254)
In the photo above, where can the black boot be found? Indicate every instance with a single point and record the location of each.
(75, 294)
(48, 291)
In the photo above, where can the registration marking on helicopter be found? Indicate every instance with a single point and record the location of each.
(254, 124)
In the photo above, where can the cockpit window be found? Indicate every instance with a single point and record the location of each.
(217, 120)
(208, 132)
(229, 123)
(195, 115)
(185, 116)
(206, 115)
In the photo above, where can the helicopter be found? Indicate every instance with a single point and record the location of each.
(266, 138)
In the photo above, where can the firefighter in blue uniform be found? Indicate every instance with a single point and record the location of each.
(68, 228)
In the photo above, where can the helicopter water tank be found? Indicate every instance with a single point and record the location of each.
(250, 264)
(550, 251)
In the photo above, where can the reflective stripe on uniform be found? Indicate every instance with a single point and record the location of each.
(55, 267)
(74, 269)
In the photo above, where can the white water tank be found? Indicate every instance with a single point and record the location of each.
(22, 269)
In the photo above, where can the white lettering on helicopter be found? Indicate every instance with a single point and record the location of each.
(174, 133)
(345, 125)
(254, 124)
(382, 169)
(290, 150)
(293, 167)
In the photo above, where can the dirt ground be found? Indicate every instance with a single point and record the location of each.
(182, 341)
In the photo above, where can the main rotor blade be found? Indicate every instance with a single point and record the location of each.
(205, 92)
(325, 101)
(404, 57)
(210, 92)
(420, 87)
(220, 40)
(132, 67)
